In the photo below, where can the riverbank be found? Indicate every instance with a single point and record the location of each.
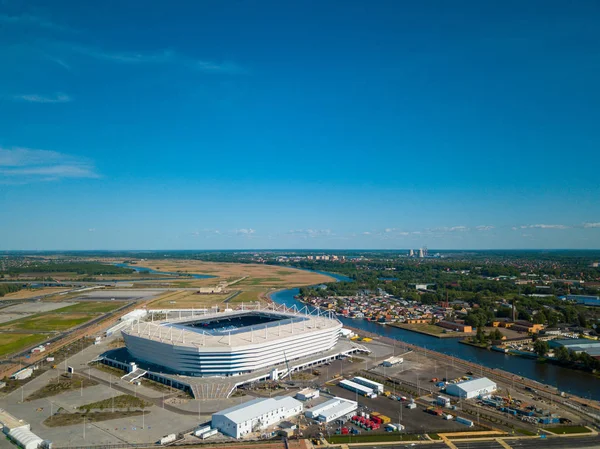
(547, 391)
(430, 329)
(475, 345)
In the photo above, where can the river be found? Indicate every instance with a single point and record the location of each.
(572, 381)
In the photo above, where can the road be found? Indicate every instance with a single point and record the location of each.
(530, 443)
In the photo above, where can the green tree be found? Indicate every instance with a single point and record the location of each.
(541, 348)
(562, 355)
(539, 318)
(496, 334)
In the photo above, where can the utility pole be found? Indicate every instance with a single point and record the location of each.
(84, 427)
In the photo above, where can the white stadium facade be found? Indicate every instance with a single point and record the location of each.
(233, 342)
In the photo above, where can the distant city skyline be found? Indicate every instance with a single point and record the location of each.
(248, 125)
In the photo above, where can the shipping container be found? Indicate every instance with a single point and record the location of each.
(464, 421)
(209, 434)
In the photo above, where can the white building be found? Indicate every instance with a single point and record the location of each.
(255, 415)
(18, 431)
(391, 361)
(25, 373)
(376, 386)
(331, 410)
(306, 394)
(346, 333)
(357, 388)
(472, 388)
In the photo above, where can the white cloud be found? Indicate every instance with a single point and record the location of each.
(591, 225)
(546, 226)
(244, 231)
(366, 233)
(158, 57)
(34, 98)
(450, 229)
(311, 233)
(30, 20)
(92, 230)
(28, 165)
(484, 228)
(60, 62)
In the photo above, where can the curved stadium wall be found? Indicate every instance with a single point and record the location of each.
(184, 346)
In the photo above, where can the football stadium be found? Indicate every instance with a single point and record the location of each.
(233, 342)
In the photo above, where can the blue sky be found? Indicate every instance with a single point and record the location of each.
(309, 124)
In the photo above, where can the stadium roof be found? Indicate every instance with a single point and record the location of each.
(296, 323)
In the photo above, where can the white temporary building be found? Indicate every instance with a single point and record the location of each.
(255, 415)
(472, 388)
(346, 333)
(18, 431)
(25, 438)
(391, 361)
(331, 410)
(376, 386)
(307, 393)
(358, 388)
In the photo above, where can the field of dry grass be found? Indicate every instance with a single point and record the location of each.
(187, 299)
(32, 293)
(256, 274)
(252, 280)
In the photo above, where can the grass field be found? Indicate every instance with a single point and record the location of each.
(257, 274)
(253, 280)
(65, 383)
(69, 419)
(122, 401)
(10, 343)
(187, 299)
(247, 296)
(48, 322)
(92, 307)
(32, 293)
